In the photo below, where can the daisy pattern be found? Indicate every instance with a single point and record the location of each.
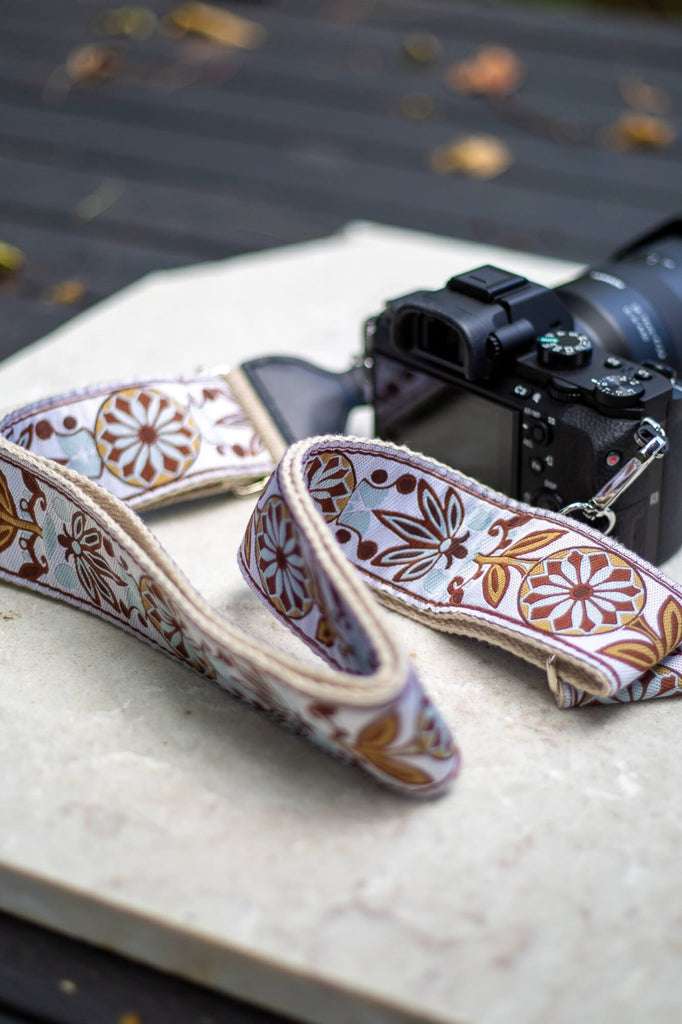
(284, 574)
(579, 591)
(145, 438)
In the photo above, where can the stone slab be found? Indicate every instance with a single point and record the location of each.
(145, 811)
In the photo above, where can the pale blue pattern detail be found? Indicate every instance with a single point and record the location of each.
(436, 582)
(480, 518)
(81, 451)
(61, 508)
(49, 537)
(66, 577)
(357, 514)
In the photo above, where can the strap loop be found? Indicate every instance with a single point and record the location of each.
(428, 541)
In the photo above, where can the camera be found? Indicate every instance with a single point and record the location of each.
(545, 394)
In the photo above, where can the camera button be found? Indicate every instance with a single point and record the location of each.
(613, 459)
(613, 362)
(539, 432)
(564, 390)
(537, 466)
(544, 498)
(643, 374)
(521, 390)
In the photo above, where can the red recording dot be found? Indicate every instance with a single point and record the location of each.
(612, 459)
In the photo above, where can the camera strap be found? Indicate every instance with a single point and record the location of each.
(336, 514)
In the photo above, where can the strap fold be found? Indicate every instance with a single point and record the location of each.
(337, 518)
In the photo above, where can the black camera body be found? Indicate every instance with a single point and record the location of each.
(539, 393)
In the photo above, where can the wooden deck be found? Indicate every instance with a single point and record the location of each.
(191, 151)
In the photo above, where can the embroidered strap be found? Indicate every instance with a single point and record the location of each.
(429, 542)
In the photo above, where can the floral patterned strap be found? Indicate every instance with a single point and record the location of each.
(147, 443)
(440, 547)
(430, 543)
(65, 532)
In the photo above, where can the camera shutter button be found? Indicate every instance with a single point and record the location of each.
(564, 390)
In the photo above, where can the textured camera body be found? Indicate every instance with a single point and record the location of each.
(499, 386)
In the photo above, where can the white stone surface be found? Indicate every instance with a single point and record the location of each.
(144, 810)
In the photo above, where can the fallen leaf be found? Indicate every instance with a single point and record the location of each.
(493, 71)
(646, 98)
(11, 259)
(217, 24)
(417, 106)
(104, 196)
(66, 293)
(478, 156)
(421, 48)
(134, 21)
(90, 63)
(633, 130)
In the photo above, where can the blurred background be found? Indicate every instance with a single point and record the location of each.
(159, 134)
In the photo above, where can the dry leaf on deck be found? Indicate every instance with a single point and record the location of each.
(11, 259)
(647, 98)
(417, 106)
(478, 156)
(421, 48)
(104, 196)
(90, 63)
(634, 131)
(493, 71)
(134, 21)
(66, 293)
(217, 24)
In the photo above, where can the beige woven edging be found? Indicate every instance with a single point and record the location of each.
(571, 670)
(256, 412)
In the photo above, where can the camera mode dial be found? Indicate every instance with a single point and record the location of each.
(617, 390)
(564, 350)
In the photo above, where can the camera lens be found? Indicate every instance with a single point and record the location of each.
(632, 304)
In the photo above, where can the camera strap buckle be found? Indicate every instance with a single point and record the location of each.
(653, 444)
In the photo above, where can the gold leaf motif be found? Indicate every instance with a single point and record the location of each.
(532, 542)
(670, 625)
(372, 744)
(637, 653)
(10, 523)
(495, 584)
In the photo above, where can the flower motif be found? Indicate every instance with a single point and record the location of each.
(168, 621)
(83, 545)
(145, 438)
(580, 591)
(331, 481)
(428, 540)
(284, 574)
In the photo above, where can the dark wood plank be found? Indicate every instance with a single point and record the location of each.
(53, 978)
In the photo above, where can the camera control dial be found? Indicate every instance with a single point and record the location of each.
(617, 390)
(564, 350)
